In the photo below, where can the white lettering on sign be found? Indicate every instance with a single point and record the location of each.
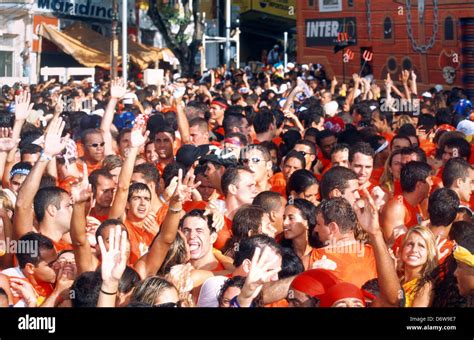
(83, 8)
(322, 29)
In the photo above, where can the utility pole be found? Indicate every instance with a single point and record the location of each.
(114, 48)
(228, 19)
(124, 41)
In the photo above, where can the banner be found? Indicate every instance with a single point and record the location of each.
(326, 32)
(279, 8)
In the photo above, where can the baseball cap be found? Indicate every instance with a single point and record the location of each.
(466, 126)
(124, 120)
(314, 282)
(462, 106)
(188, 154)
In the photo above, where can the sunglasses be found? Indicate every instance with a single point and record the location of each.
(96, 145)
(255, 160)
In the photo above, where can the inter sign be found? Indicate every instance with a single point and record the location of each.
(328, 32)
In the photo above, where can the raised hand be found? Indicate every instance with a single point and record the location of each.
(404, 76)
(82, 191)
(356, 78)
(114, 260)
(439, 245)
(137, 139)
(6, 142)
(150, 225)
(64, 279)
(53, 143)
(413, 76)
(60, 105)
(22, 105)
(264, 268)
(23, 289)
(184, 187)
(334, 81)
(367, 214)
(118, 88)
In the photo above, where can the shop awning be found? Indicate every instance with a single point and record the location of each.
(93, 49)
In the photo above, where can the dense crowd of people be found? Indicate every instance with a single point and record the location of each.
(280, 188)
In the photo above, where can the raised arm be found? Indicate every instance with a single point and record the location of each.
(404, 79)
(414, 88)
(53, 145)
(81, 194)
(6, 145)
(118, 88)
(389, 283)
(150, 263)
(120, 199)
(351, 96)
(183, 124)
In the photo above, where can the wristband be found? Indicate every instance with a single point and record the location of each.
(175, 211)
(107, 293)
(45, 157)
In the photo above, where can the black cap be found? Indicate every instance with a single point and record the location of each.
(225, 160)
(188, 154)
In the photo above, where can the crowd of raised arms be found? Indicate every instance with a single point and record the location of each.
(278, 188)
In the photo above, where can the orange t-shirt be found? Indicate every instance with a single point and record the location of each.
(278, 183)
(224, 235)
(376, 174)
(90, 167)
(388, 136)
(94, 214)
(413, 215)
(161, 214)
(140, 240)
(278, 304)
(355, 265)
(62, 245)
(427, 146)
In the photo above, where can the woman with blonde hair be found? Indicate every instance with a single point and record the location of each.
(418, 257)
(390, 179)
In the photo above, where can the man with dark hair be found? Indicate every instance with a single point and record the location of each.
(165, 144)
(148, 174)
(251, 220)
(361, 161)
(199, 131)
(274, 204)
(382, 120)
(200, 236)
(123, 141)
(403, 212)
(399, 142)
(86, 289)
(442, 209)
(458, 175)
(103, 188)
(349, 260)
(264, 125)
(217, 110)
(340, 182)
(413, 154)
(94, 150)
(236, 122)
(340, 155)
(53, 210)
(34, 261)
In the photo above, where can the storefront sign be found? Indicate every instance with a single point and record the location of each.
(326, 32)
(97, 9)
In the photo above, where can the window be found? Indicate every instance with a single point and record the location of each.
(448, 28)
(387, 28)
(6, 64)
(311, 3)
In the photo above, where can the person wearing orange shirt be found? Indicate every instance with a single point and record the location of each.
(258, 159)
(308, 151)
(103, 188)
(326, 140)
(274, 204)
(403, 211)
(361, 161)
(94, 151)
(33, 267)
(382, 120)
(148, 174)
(458, 175)
(349, 260)
(340, 155)
(264, 124)
(165, 145)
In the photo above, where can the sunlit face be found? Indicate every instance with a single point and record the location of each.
(68, 260)
(414, 253)
(377, 122)
(64, 213)
(349, 303)
(246, 187)
(256, 161)
(164, 143)
(362, 165)
(291, 165)
(466, 187)
(115, 172)
(396, 166)
(198, 237)
(228, 295)
(340, 158)
(351, 192)
(198, 136)
(465, 279)
(104, 193)
(216, 112)
(94, 147)
(294, 224)
(150, 154)
(214, 173)
(266, 226)
(139, 205)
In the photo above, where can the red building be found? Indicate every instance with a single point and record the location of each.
(440, 51)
